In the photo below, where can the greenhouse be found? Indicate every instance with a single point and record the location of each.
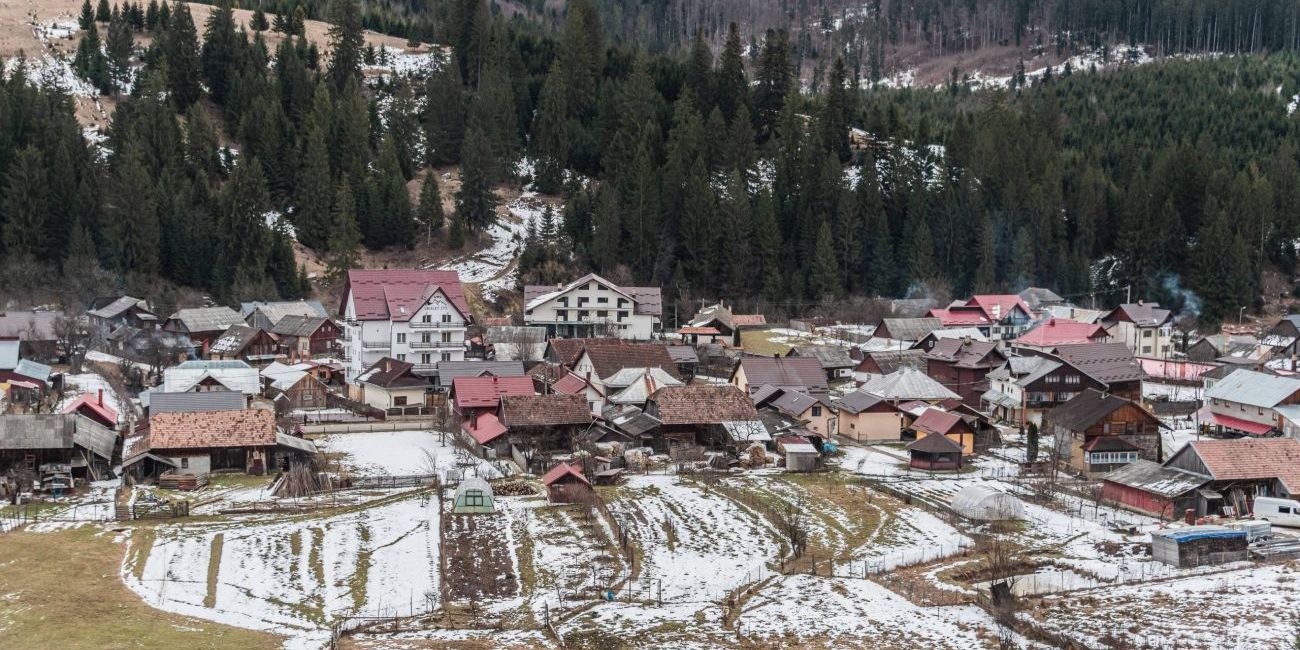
(473, 496)
(982, 503)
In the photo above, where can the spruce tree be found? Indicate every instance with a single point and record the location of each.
(582, 56)
(91, 63)
(345, 235)
(86, 20)
(920, 252)
(774, 80)
(26, 206)
(551, 142)
(986, 278)
(699, 231)
(824, 280)
(258, 22)
(395, 224)
(150, 16)
(732, 87)
(699, 73)
(130, 208)
(443, 120)
(314, 194)
(456, 232)
(180, 47)
(346, 43)
(202, 148)
(119, 45)
(476, 201)
(493, 113)
(219, 56)
(102, 12)
(834, 120)
(430, 214)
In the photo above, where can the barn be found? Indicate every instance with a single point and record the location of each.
(1152, 488)
(565, 484)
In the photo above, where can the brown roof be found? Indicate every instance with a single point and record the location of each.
(1251, 458)
(803, 373)
(964, 353)
(544, 410)
(612, 355)
(1106, 362)
(935, 444)
(936, 422)
(391, 373)
(244, 428)
(1086, 409)
(703, 404)
(566, 351)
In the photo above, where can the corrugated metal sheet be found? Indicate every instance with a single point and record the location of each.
(219, 400)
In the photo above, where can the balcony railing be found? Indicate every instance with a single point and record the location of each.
(431, 345)
(375, 345)
(434, 325)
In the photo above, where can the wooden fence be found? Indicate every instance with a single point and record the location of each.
(383, 482)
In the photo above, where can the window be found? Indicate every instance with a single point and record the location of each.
(1111, 457)
(474, 498)
(446, 356)
(602, 300)
(446, 318)
(1146, 334)
(446, 337)
(601, 287)
(562, 314)
(1281, 510)
(426, 358)
(622, 302)
(583, 300)
(817, 411)
(401, 357)
(401, 337)
(400, 400)
(582, 315)
(427, 318)
(426, 338)
(564, 302)
(1261, 410)
(622, 315)
(1146, 349)
(601, 313)
(1072, 379)
(587, 286)
(185, 463)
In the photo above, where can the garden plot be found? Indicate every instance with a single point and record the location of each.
(480, 564)
(1250, 608)
(402, 453)
(698, 544)
(835, 611)
(910, 535)
(293, 577)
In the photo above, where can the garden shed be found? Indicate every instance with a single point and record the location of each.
(1199, 546)
(473, 497)
(983, 503)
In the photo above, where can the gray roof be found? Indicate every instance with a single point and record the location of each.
(830, 357)
(1106, 362)
(857, 402)
(794, 402)
(1156, 478)
(1144, 314)
(29, 368)
(630, 420)
(1254, 388)
(115, 308)
(207, 319)
(908, 384)
(785, 372)
(298, 325)
(294, 442)
(95, 437)
(9, 354)
(449, 370)
(274, 311)
(217, 400)
(683, 354)
(56, 431)
(1035, 297)
(909, 329)
(29, 325)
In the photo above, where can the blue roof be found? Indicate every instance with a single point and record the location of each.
(1203, 532)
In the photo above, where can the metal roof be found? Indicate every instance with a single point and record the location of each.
(1254, 388)
(216, 400)
(207, 319)
(9, 354)
(907, 383)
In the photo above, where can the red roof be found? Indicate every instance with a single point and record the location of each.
(699, 330)
(936, 421)
(959, 317)
(1251, 458)
(95, 404)
(396, 294)
(1004, 302)
(562, 470)
(486, 392)
(570, 384)
(1062, 331)
(484, 427)
(1238, 424)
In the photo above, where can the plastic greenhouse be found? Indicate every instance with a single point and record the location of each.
(473, 496)
(986, 504)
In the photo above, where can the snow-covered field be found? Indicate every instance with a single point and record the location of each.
(493, 267)
(90, 383)
(402, 453)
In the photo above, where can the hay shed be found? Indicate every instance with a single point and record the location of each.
(473, 497)
(983, 503)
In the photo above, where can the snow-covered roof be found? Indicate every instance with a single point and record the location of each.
(1254, 388)
(234, 375)
(907, 383)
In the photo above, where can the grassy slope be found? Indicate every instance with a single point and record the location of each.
(65, 586)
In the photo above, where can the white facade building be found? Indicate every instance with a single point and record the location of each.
(592, 306)
(410, 315)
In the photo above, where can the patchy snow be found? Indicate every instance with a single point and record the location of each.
(90, 383)
(493, 267)
(52, 70)
(1293, 104)
(403, 453)
(390, 63)
(275, 220)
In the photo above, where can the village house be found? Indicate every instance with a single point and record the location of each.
(797, 373)
(107, 314)
(593, 306)
(409, 315)
(540, 426)
(294, 387)
(961, 365)
(935, 453)
(633, 386)
(201, 376)
(253, 345)
(863, 417)
(304, 337)
(836, 362)
(37, 332)
(566, 484)
(1143, 327)
(1006, 398)
(936, 421)
(932, 339)
(267, 315)
(687, 359)
(92, 406)
(1210, 477)
(203, 325)
(716, 323)
(815, 412)
(998, 317)
(908, 385)
(711, 416)
(200, 443)
(391, 385)
(24, 383)
(601, 359)
(225, 400)
(1041, 299)
(56, 449)
(1246, 403)
(477, 402)
(1216, 346)
(1282, 336)
(1104, 432)
(908, 330)
(1054, 332)
(888, 362)
(1110, 364)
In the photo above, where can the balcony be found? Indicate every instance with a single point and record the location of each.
(375, 345)
(433, 345)
(421, 325)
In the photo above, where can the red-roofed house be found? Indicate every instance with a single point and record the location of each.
(566, 484)
(473, 398)
(997, 316)
(410, 315)
(1062, 331)
(93, 407)
(938, 422)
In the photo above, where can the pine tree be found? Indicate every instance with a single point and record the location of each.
(26, 206)
(774, 77)
(551, 148)
(345, 235)
(86, 21)
(119, 45)
(258, 22)
(493, 113)
(475, 201)
(180, 47)
(150, 16)
(920, 252)
(394, 223)
(834, 120)
(102, 12)
(430, 214)
(582, 56)
(1031, 442)
(201, 145)
(732, 86)
(734, 253)
(91, 63)
(219, 56)
(313, 216)
(130, 208)
(607, 231)
(824, 280)
(443, 120)
(699, 73)
(767, 246)
(456, 232)
(346, 43)
(986, 278)
(699, 231)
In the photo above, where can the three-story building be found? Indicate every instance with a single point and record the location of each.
(415, 316)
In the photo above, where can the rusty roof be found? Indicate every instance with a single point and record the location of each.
(555, 409)
(612, 355)
(1250, 458)
(702, 405)
(198, 430)
(803, 373)
(480, 392)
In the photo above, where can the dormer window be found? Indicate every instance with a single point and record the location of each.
(427, 318)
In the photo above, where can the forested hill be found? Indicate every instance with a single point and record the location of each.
(708, 174)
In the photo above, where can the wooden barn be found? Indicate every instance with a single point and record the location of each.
(935, 453)
(565, 484)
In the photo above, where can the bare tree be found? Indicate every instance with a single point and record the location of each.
(73, 335)
(520, 343)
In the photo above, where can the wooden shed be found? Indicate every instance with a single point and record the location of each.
(1199, 546)
(935, 453)
(565, 484)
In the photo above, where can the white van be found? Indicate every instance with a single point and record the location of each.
(1283, 512)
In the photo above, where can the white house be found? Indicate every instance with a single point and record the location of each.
(593, 306)
(410, 315)
(1144, 327)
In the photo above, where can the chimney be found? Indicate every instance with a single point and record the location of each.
(101, 397)
(388, 365)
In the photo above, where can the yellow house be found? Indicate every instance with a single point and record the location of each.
(391, 384)
(868, 418)
(938, 422)
(815, 411)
